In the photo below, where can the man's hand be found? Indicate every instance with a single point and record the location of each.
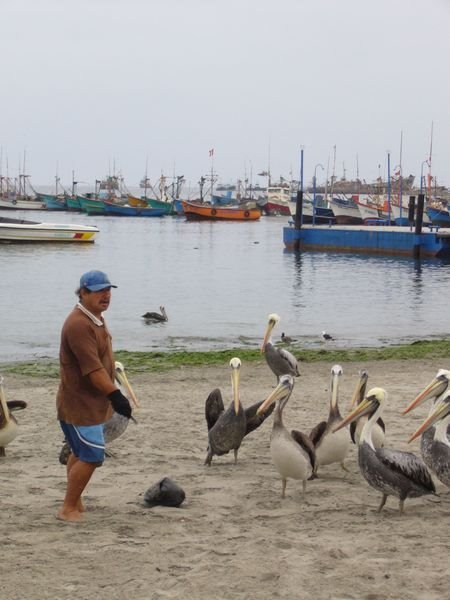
(120, 403)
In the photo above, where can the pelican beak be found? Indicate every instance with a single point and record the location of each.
(284, 386)
(123, 380)
(235, 379)
(363, 408)
(441, 410)
(433, 390)
(269, 328)
(360, 389)
(335, 374)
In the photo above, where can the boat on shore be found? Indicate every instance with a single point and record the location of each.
(21, 230)
(193, 211)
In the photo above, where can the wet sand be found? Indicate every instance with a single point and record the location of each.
(234, 537)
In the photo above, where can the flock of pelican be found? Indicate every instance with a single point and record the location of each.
(299, 455)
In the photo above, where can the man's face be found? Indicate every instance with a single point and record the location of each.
(96, 302)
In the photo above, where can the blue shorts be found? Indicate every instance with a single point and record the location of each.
(85, 441)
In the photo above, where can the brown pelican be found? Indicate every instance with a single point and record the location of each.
(433, 390)
(292, 453)
(215, 411)
(280, 361)
(154, 316)
(331, 447)
(391, 472)
(116, 425)
(439, 449)
(8, 424)
(378, 432)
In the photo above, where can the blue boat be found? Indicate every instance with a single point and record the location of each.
(440, 217)
(375, 239)
(53, 202)
(118, 210)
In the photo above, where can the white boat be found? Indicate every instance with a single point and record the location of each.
(19, 230)
(14, 203)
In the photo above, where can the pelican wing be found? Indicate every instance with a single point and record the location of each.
(214, 407)
(317, 432)
(254, 420)
(408, 465)
(306, 443)
(290, 359)
(16, 405)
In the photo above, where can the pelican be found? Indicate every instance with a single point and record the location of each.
(116, 425)
(378, 432)
(331, 447)
(292, 453)
(154, 316)
(8, 423)
(433, 390)
(439, 449)
(280, 361)
(391, 472)
(226, 429)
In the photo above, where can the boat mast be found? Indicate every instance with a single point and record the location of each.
(401, 175)
(429, 164)
(334, 168)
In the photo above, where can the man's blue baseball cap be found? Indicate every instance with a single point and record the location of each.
(95, 281)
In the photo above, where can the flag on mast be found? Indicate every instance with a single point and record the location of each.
(211, 152)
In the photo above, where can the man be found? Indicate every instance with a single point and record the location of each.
(87, 393)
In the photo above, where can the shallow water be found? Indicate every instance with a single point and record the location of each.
(218, 282)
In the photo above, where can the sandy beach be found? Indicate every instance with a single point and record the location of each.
(234, 537)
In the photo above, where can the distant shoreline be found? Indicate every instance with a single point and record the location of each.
(136, 362)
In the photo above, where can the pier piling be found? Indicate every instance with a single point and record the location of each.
(418, 229)
(298, 216)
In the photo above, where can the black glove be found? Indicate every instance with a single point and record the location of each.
(120, 403)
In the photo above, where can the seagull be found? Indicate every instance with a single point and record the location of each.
(326, 336)
(286, 339)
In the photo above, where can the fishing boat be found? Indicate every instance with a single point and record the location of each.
(439, 216)
(20, 230)
(91, 205)
(194, 210)
(278, 199)
(118, 210)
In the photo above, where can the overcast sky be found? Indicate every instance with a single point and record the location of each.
(89, 84)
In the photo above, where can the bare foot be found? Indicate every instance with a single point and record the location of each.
(69, 515)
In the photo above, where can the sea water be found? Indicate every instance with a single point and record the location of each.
(218, 282)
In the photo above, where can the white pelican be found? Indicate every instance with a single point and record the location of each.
(8, 424)
(439, 448)
(215, 411)
(331, 447)
(280, 361)
(356, 427)
(292, 453)
(391, 472)
(433, 391)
